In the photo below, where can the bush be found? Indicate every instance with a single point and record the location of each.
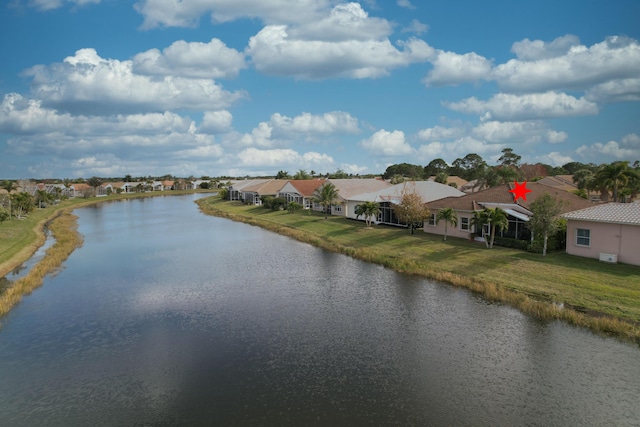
(293, 207)
(508, 242)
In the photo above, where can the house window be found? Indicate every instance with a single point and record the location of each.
(432, 220)
(583, 237)
(337, 208)
(464, 223)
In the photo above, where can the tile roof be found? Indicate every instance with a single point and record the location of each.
(306, 187)
(616, 213)
(501, 194)
(269, 187)
(347, 188)
(428, 190)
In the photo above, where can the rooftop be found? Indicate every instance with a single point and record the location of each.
(616, 213)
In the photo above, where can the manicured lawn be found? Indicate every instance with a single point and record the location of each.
(612, 289)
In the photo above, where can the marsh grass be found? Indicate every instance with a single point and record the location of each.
(583, 292)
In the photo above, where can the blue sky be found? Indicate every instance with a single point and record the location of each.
(251, 87)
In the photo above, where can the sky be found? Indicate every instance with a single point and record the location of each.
(252, 87)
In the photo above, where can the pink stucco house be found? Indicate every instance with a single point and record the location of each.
(609, 232)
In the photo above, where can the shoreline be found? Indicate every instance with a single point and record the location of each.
(545, 309)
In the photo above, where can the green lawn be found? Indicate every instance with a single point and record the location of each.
(612, 289)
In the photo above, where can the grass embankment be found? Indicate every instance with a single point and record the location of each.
(602, 297)
(20, 239)
(67, 240)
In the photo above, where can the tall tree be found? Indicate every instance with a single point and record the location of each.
(449, 216)
(95, 182)
(509, 158)
(545, 209)
(435, 166)
(411, 210)
(326, 196)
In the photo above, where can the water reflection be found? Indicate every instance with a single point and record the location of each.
(167, 316)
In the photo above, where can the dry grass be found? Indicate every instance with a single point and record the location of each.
(65, 232)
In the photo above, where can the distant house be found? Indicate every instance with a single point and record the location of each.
(565, 182)
(300, 191)
(518, 211)
(609, 232)
(390, 196)
(454, 181)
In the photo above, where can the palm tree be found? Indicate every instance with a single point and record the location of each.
(614, 176)
(449, 216)
(496, 218)
(370, 210)
(326, 196)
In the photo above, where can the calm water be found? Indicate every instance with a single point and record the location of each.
(169, 317)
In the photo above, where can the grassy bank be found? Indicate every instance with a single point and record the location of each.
(67, 238)
(603, 297)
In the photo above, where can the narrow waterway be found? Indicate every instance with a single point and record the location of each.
(166, 316)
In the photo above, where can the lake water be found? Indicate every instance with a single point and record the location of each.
(167, 316)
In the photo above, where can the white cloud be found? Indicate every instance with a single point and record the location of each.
(282, 157)
(327, 123)
(449, 151)
(353, 168)
(450, 68)
(438, 133)
(521, 132)
(546, 68)
(44, 5)
(523, 107)
(213, 60)
(527, 50)
(620, 90)
(273, 51)
(347, 21)
(627, 149)
(187, 13)
(214, 122)
(406, 4)
(88, 83)
(554, 159)
(387, 143)
(416, 27)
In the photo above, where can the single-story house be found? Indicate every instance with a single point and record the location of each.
(518, 211)
(609, 232)
(390, 196)
(347, 189)
(253, 194)
(235, 189)
(300, 191)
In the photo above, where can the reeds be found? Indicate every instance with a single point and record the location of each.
(64, 229)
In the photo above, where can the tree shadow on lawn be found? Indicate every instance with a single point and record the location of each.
(581, 263)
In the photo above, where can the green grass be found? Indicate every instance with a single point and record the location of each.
(606, 297)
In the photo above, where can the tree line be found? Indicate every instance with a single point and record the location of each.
(619, 179)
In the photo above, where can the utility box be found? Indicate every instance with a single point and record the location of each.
(612, 258)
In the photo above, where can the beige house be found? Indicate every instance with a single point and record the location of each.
(609, 232)
(347, 189)
(517, 210)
